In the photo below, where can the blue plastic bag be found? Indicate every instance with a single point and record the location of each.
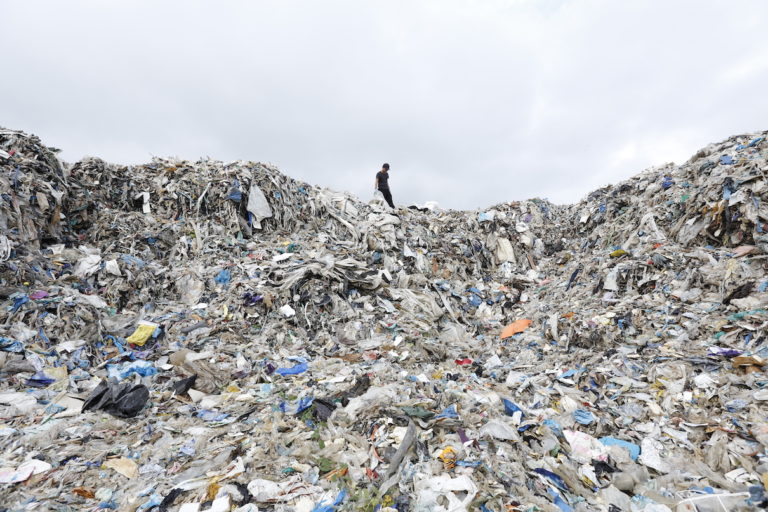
(634, 450)
(235, 194)
(583, 416)
(300, 367)
(223, 277)
(510, 408)
(10, 345)
(322, 507)
(448, 413)
(553, 477)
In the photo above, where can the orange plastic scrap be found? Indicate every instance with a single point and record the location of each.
(743, 250)
(516, 327)
(336, 473)
(747, 361)
(85, 493)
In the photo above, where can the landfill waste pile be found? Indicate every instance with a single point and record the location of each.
(207, 336)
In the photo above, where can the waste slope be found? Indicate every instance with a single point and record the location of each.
(218, 336)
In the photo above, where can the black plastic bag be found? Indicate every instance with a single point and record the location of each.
(123, 400)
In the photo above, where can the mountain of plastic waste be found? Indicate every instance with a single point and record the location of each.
(208, 336)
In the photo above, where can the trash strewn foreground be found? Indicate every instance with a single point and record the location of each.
(190, 336)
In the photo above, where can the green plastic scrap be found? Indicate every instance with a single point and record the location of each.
(324, 464)
(417, 412)
(743, 314)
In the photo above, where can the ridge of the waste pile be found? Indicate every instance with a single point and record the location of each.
(669, 167)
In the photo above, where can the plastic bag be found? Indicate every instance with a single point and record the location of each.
(123, 400)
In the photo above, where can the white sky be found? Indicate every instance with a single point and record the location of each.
(472, 102)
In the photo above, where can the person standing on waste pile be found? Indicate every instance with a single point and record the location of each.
(382, 184)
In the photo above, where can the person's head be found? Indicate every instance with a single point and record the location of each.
(385, 167)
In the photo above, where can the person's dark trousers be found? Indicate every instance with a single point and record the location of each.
(388, 196)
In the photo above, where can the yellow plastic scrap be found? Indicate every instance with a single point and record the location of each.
(124, 466)
(60, 374)
(212, 490)
(448, 457)
(618, 253)
(142, 333)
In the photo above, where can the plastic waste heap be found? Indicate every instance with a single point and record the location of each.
(208, 336)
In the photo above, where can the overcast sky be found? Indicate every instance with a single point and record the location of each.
(472, 102)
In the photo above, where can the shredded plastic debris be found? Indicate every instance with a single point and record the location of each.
(208, 336)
